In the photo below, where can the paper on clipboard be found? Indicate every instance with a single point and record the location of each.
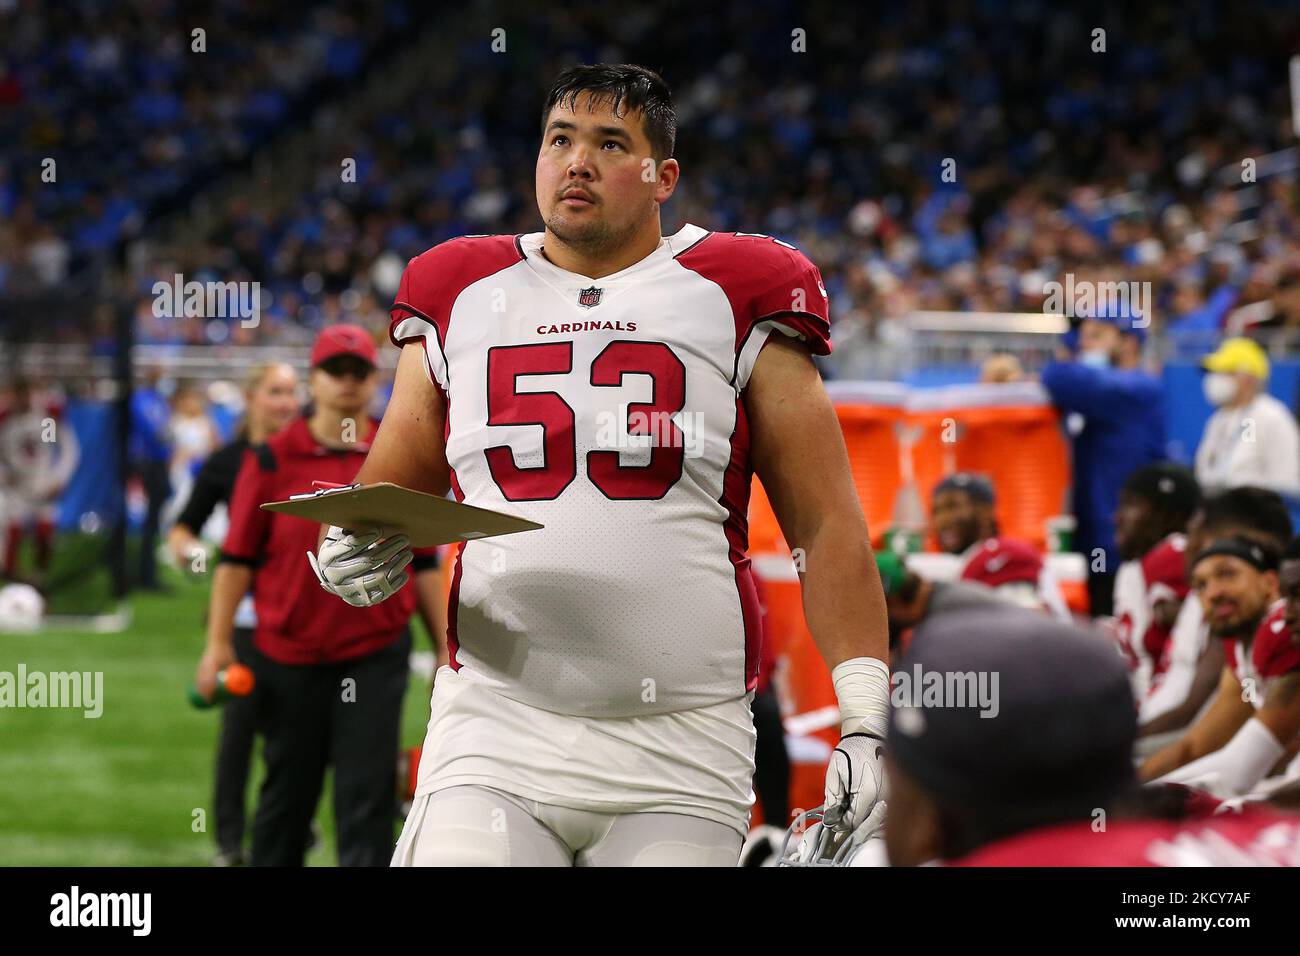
(427, 519)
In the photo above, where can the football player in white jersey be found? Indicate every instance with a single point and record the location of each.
(1255, 716)
(620, 387)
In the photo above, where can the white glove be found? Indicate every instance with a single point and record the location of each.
(855, 787)
(855, 777)
(363, 569)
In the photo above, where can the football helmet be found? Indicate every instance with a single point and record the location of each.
(811, 842)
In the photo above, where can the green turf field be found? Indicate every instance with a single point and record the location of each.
(122, 789)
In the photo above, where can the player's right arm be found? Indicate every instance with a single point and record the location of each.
(1225, 716)
(409, 449)
(1209, 668)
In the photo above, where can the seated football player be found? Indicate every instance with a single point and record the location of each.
(962, 516)
(911, 599)
(1155, 505)
(1255, 714)
(1195, 662)
(970, 789)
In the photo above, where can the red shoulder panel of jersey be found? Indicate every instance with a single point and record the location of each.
(1273, 651)
(1255, 837)
(433, 279)
(764, 278)
(1230, 659)
(1003, 561)
(1163, 566)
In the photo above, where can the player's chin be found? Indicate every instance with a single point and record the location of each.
(574, 229)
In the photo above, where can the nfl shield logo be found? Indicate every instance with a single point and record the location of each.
(589, 297)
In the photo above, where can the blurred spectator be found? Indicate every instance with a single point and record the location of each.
(270, 404)
(38, 453)
(193, 437)
(1252, 439)
(149, 457)
(1003, 367)
(1115, 413)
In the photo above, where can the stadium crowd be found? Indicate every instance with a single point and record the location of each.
(112, 111)
(1117, 163)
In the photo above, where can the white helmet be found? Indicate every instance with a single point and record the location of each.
(816, 844)
(762, 847)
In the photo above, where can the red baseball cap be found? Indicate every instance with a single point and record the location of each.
(336, 340)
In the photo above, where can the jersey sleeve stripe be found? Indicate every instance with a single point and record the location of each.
(415, 327)
(794, 324)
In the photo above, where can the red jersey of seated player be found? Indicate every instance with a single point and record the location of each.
(1271, 653)
(1254, 837)
(1016, 569)
(1159, 575)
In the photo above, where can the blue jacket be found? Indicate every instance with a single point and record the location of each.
(1124, 412)
(150, 414)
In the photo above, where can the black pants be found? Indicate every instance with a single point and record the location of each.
(235, 753)
(311, 717)
(1101, 592)
(771, 762)
(157, 486)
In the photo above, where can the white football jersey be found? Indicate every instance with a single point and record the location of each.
(1190, 637)
(609, 410)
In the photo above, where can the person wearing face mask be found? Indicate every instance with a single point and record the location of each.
(1114, 412)
(1252, 438)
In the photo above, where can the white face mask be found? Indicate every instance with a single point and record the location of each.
(1097, 358)
(1219, 387)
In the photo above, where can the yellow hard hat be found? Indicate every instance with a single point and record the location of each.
(1238, 355)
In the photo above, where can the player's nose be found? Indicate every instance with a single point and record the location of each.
(580, 164)
(580, 170)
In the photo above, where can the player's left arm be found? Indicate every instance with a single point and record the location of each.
(1239, 765)
(798, 452)
(1281, 711)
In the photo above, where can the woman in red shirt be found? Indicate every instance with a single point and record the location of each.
(330, 678)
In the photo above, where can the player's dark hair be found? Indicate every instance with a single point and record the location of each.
(978, 488)
(1171, 491)
(1292, 550)
(1257, 509)
(625, 87)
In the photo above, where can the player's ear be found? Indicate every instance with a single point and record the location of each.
(668, 173)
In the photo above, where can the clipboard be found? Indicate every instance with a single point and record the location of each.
(427, 519)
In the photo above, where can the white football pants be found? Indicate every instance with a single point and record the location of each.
(480, 826)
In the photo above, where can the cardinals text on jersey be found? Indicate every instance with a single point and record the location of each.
(609, 410)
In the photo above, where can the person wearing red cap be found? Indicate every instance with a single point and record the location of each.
(330, 678)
